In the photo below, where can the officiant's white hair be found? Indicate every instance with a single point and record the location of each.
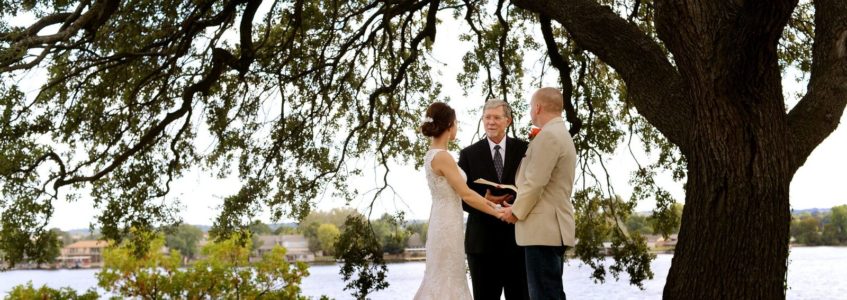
(495, 103)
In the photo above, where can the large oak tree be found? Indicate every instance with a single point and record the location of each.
(290, 91)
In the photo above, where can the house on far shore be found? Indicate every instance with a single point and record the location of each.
(296, 245)
(82, 254)
(652, 240)
(415, 241)
(669, 242)
(415, 248)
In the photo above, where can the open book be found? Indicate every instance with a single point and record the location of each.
(497, 185)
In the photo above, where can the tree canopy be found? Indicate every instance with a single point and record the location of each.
(289, 92)
(185, 239)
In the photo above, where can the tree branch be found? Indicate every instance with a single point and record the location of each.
(221, 59)
(47, 21)
(817, 115)
(478, 33)
(96, 16)
(653, 84)
(634, 12)
(246, 29)
(564, 68)
(501, 49)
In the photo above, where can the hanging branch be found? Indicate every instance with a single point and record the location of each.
(564, 68)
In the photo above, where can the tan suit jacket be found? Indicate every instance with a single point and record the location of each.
(545, 181)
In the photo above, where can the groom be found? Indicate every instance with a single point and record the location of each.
(542, 211)
(489, 243)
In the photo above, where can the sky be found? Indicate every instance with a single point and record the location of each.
(817, 184)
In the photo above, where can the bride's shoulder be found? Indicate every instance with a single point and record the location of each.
(443, 154)
(441, 157)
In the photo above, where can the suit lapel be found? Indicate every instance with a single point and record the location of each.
(513, 158)
(484, 153)
(508, 159)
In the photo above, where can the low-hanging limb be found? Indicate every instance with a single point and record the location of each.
(501, 56)
(564, 68)
(653, 84)
(471, 9)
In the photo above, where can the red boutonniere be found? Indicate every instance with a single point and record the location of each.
(533, 132)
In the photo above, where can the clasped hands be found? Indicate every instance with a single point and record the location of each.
(502, 206)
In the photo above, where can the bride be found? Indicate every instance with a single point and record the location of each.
(445, 277)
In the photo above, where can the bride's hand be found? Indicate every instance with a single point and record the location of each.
(495, 207)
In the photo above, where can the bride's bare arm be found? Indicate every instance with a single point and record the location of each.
(443, 164)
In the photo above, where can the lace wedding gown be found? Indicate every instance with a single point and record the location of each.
(444, 277)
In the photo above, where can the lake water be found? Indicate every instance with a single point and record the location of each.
(813, 273)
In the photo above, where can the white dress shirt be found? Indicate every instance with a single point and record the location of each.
(502, 144)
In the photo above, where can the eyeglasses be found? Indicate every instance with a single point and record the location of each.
(496, 118)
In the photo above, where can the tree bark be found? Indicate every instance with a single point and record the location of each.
(733, 243)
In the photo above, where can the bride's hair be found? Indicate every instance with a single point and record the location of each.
(439, 118)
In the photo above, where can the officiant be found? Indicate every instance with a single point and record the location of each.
(489, 242)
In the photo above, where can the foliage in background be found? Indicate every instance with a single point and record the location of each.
(223, 272)
(327, 236)
(184, 238)
(363, 268)
(41, 249)
(28, 292)
(392, 232)
(311, 223)
(821, 228)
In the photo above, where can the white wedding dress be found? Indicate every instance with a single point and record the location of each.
(444, 277)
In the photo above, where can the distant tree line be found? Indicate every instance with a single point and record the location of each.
(323, 228)
(815, 228)
(222, 273)
(647, 224)
(49, 248)
(821, 228)
(320, 228)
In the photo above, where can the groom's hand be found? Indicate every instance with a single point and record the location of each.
(508, 217)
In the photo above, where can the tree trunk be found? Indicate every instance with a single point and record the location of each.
(733, 243)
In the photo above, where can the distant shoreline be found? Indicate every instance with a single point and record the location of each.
(329, 260)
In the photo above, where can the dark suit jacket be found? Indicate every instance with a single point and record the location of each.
(485, 233)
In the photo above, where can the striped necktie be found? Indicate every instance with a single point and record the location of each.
(498, 162)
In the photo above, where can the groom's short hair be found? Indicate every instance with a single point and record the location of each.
(550, 98)
(495, 103)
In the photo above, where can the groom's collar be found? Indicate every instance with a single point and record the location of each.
(553, 121)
